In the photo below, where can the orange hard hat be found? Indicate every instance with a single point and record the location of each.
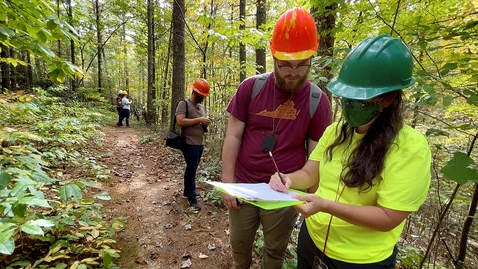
(295, 36)
(201, 86)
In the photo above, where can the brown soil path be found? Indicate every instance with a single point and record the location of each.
(146, 188)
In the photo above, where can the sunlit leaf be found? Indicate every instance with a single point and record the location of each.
(46, 50)
(8, 247)
(34, 201)
(103, 196)
(31, 229)
(43, 222)
(7, 32)
(70, 191)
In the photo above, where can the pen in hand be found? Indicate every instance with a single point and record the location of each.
(277, 169)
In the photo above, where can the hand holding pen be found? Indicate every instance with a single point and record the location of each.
(278, 181)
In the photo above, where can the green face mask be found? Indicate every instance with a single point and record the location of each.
(358, 112)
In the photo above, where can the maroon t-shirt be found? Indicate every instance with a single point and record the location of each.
(288, 115)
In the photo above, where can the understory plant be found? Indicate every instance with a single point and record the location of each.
(49, 218)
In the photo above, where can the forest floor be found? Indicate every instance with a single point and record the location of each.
(161, 230)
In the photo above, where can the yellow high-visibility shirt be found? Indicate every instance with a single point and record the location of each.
(403, 185)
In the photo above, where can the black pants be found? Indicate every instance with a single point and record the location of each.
(192, 155)
(120, 112)
(307, 252)
(124, 115)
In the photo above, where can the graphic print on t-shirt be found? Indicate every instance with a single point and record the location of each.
(284, 111)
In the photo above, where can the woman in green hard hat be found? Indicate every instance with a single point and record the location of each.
(372, 169)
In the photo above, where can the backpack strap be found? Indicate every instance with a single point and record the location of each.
(314, 97)
(259, 83)
(174, 120)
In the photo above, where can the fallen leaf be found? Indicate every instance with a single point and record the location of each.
(141, 261)
(202, 256)
(186, 264)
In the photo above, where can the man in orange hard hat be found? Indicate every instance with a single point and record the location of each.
(191, 116)
(282, 118)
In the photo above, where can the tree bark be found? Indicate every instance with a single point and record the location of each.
(72, 46)
(325, 20)
(178, 79)
(100, 42)
(242, 46)
(164, 112)
(13, 72)
(466, 227)
(261, 18)
(58, 15)
(151, 115)
(5, 69)
(29, 71)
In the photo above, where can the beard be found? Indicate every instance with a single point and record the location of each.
(290, 83)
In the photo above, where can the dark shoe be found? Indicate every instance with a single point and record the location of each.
(197, 195)
(193, 203)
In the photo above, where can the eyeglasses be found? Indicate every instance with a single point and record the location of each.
(300, 68)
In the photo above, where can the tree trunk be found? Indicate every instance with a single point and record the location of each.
(164, 112)
(465, 232)
(29, 71)
(58, 16)
(5, 69)
(325, 20)
(178, 78)
(242, 46)
(13, 72)
(151, 111)
(125, 53)
(100, 42)
(466, 227)
(261, 18)
(73, 85)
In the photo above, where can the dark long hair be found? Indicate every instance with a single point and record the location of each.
(367, 159)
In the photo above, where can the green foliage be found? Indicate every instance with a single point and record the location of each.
(146, 139)
(213, 197)
(31, 25)
(409, 257)
(37, 202)
(457, 169)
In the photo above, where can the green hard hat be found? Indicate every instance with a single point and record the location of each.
(376, 66)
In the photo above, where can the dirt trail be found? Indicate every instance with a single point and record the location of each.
(146, 188)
